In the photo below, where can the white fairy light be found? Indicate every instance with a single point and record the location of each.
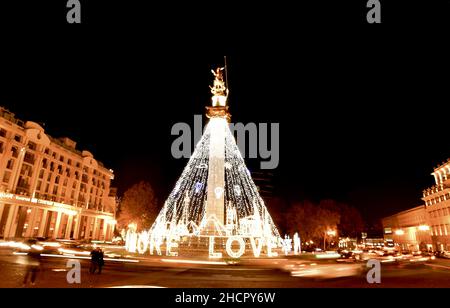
(218, 192)
(237, 190)
(184, 212)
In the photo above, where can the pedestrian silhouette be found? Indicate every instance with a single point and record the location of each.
(97, 261)
(94, 262)
(33, 262)
(100, 260)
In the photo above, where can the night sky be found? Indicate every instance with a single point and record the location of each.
(364, 114)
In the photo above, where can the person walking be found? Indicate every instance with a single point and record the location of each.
(33, 262)
(94, 261)
(100, 261)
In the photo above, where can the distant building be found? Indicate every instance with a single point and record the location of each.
(373, 242)
(50, 189)
(408, 229)
(437, 204)
(428, 225)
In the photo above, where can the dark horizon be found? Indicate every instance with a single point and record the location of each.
(359, 115)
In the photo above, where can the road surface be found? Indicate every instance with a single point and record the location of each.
(279, 273)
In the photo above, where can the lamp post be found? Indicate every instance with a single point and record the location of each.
(329, 233)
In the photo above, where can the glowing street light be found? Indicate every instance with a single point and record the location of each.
(424, 228)
(329, 233)
(399, 232)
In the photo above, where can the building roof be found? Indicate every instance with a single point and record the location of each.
(64, 142)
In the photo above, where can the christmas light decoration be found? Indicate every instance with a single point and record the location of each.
(214, 199)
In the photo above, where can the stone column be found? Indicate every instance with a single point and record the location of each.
(105, 228)
(88, 227)
(94, 228)
(33, 214)
(43, 223)
(37, 169)
(9, 228)
(216, 173)
(16, 169)
(69, 227)
(2, 206)
(77, 226)
(57, 225)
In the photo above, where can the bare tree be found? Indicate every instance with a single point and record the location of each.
(311, 221)
(139, 205)
(351, 223)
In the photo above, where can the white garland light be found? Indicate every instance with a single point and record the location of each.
(183, 217)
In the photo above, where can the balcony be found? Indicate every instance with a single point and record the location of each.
(8, 115)
(435, 189)
(23, 190)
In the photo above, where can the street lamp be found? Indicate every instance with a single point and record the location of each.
(329, 233)
(399, 232)
(424, 228)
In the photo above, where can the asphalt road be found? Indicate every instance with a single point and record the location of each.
(153, 272)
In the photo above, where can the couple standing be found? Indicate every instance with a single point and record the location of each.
(96, 261)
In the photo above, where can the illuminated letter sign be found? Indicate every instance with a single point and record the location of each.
(241, 250)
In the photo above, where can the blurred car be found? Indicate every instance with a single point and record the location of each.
(324, 270)
(26, 245)
(442, 254)
(445, 254)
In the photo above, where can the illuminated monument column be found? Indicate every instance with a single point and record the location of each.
(219, 118)
(214, 200)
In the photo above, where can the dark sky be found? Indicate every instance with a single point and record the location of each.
(363, 114)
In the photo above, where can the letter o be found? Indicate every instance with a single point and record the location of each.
(241, 250)
(142, 242)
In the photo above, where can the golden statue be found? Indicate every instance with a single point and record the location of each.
(218, 88)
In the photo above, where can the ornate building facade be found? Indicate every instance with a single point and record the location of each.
(409, 229)
(437, 204)
(428, 224)
(50, 189)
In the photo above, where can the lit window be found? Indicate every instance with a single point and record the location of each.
(10, 164)
(14, 152)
